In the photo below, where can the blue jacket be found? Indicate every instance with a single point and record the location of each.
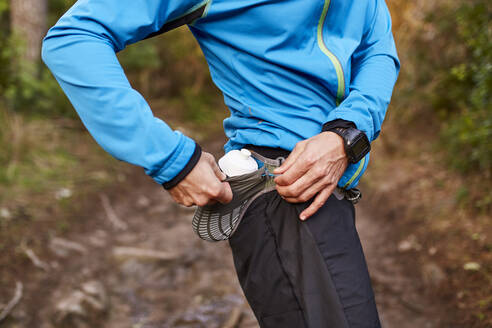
(285, 67)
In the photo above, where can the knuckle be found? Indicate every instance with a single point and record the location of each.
(213, 191)
(318, 171)
(206, 190)
(207, 156)
(281, 183)
(304, 198)
(318, 203)
(289, 180)
(332, 179)
(310, 160)
(299, 146)
(289, 192)
(201, 202)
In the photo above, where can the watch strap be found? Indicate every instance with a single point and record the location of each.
(338, 123)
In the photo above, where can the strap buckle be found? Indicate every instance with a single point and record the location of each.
(353, 195)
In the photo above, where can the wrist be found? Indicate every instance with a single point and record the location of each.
(192, 162)
(336, 140)
(355, 142)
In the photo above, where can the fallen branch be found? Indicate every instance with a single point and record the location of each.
(411, 306)
(111, 214)
(234, 318)
(143, 254)
(13, 302)
(69, 245)
(35, 260)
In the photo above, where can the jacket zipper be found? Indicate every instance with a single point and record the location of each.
(333, 58)
(340, 78)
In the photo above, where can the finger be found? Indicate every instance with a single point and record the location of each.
(294, 172)
(201, 200)
(307, 181)
(317, 202)
(177, 194)
(187, 201)
(310, 192)
(225, 195)
(221, 175)
(291, 159)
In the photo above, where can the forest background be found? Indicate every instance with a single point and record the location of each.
(432, 167)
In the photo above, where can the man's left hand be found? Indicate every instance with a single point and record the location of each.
(313, 168)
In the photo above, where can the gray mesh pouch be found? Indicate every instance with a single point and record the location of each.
(218, 221)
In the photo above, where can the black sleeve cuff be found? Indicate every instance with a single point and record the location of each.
(338, 123)
(187, 169)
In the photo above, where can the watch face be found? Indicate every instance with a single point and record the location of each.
(359, 147)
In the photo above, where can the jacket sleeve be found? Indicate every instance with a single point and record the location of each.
(80, 50)
(375, 67)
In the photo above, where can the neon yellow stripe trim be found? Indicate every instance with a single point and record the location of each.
(333, 58)
(356, 174)
(205, 12)
(205, 3)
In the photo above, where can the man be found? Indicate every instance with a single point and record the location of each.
(313, 77)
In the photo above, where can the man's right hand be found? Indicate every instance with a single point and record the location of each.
(203, 185)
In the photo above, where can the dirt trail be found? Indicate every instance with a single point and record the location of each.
(105, 276)
(399, 293)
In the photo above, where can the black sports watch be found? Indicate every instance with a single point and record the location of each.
(356, 143)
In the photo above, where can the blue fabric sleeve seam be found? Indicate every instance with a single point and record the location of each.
(171, 160)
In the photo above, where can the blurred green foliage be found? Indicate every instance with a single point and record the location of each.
(4, 54)
(467, 90)
(450, 70)
(140, 57)
(27, 87)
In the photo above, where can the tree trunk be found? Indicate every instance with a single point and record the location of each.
(28, 21)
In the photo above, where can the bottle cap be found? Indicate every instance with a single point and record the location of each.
(237, 162)
(245, 153)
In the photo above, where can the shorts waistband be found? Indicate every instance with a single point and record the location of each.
(268, 152)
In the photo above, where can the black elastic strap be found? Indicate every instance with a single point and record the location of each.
(184, 20)
(338, 123)
(268, 152)
(186, 170)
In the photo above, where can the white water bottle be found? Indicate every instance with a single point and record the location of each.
(237, 162)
